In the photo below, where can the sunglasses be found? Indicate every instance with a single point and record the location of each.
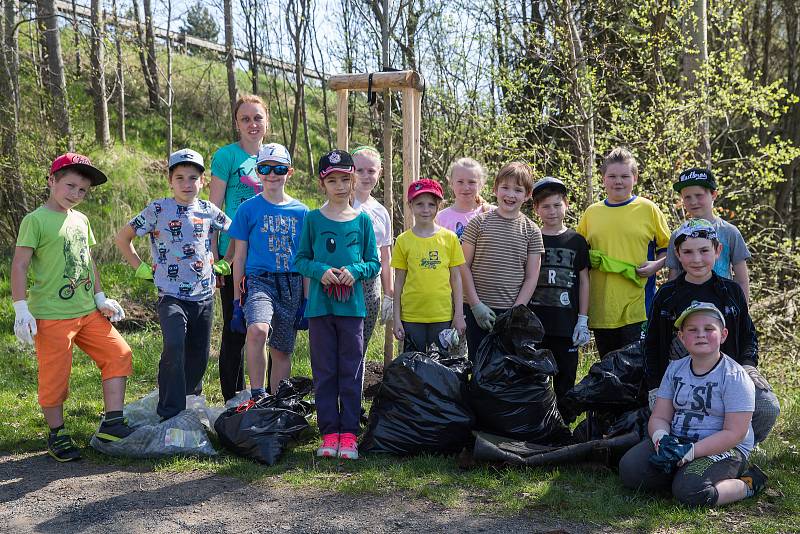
(265, 169)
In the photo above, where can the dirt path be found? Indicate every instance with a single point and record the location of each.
(38, 495)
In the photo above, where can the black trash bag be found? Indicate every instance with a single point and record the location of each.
(420, 407)
(612, 385)
(633, 421)
(491, 448)
(262, 430)
(511, 390)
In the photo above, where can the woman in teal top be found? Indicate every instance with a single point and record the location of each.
(234, 180)
(337, 249)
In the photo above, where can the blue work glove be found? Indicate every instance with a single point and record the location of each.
(238, 323)
(680, 451)
(300, 320)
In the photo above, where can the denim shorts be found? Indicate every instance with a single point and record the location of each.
(274, 298)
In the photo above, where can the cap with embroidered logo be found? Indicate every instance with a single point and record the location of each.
(425, 185)
(336, 160)
(186, 156)
(274, 152)
(695, 176)
(81, 164)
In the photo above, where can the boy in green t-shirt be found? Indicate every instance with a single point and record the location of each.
(67, 304)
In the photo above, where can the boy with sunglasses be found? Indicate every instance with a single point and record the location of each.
(268, 293)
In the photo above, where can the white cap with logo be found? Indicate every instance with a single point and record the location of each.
(275, 152)
(189, 156)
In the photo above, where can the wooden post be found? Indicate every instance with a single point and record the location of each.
(342, 134)
(388, 202)
(417, 131)
(410, 171)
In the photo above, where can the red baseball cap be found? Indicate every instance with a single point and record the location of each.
(81, 164)
(425, 185)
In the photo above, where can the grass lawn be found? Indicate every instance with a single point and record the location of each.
(591, 495)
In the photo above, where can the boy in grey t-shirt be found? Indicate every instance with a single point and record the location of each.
(180, 229)
(698, 191)
(700, 426)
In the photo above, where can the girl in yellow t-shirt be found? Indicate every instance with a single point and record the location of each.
(426, 260)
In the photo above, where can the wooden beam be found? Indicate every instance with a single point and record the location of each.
(410, 170)
(380, 80)
(342, 133)
(417, 131)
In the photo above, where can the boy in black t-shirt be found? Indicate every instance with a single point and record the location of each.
(561, 299)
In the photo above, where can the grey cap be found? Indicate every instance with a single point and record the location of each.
(274, 152)
(188, 156)
(696, 307)
(550, 183)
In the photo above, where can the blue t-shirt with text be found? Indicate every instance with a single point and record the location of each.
(272, 232)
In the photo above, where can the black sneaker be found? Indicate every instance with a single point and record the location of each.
(755, 479)
(61, 447)
(114, 430)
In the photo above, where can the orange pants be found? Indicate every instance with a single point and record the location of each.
(94, 334)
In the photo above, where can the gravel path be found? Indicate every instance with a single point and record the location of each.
(39, 495)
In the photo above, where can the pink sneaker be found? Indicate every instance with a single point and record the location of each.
(348, 447)
(330, 446)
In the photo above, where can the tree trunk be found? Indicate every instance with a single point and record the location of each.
(154, 91)
(120, 76)
(693, 63)
(13, 200)
(76, 41)
(786, 207)
(56, 82)
(580, 77)
(101, 131)
(296, 20)
(230, 60)
(169, 79)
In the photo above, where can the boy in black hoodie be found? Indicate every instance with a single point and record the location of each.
(697, 248)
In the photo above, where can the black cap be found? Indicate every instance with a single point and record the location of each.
(548, 182)
(336, 160)
(695, 176)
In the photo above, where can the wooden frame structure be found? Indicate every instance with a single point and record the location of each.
(410, 84)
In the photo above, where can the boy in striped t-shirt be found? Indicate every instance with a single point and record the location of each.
(502, 249)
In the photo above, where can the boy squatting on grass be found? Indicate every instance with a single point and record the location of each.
(698, 248)
(182, 241)
(502, 249)
(627, 231)
(67, 304)
(266, 230)
(700, 426)
(698, 191)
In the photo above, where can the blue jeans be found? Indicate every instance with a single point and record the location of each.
(186, 329)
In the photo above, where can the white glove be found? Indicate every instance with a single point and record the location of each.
(484, 315)
(24, 322)
(688, 457)
(387, 309)
(109, 307)
(580, 335)
(657, 435)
